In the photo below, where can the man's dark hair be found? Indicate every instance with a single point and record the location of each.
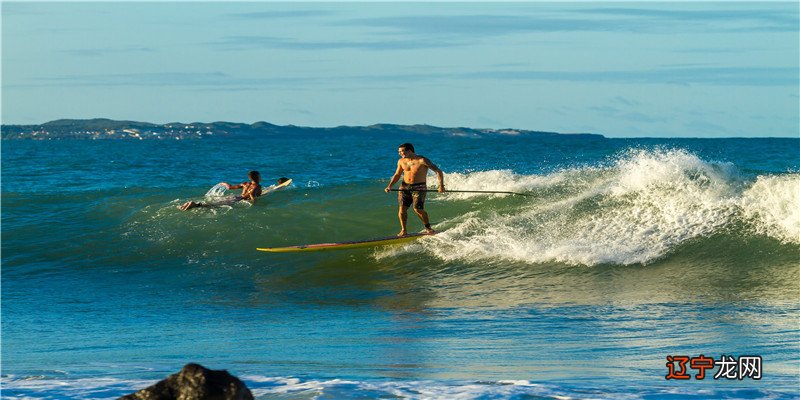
(281, 180)
(254, 175)
(407, 146)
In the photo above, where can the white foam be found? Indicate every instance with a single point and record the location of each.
(635, 210)
(265, 387)
(270, 387)
(337, 388)
(80, 388)
(772, 205)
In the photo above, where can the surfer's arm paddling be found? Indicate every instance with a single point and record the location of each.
(250, 191)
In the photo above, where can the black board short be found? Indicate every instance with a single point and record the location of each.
(412, 194)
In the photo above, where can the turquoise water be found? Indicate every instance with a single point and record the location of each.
(628, 250)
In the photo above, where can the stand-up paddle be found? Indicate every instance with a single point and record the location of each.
(466, 191)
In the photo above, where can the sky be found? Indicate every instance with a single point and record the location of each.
(621, 69)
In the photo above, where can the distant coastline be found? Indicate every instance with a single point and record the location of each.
(101, 128)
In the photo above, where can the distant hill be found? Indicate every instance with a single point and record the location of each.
(101, 128)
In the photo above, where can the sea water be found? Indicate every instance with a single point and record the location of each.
(625, 252)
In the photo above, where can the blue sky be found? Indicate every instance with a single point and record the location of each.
(623, 69)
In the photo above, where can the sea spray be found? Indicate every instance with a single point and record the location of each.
(633, 210)
(216, 191)
(772, 207)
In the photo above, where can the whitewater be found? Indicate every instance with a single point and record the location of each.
(634, 211)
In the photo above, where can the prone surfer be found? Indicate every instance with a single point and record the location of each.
(250, 191)
(413, 169)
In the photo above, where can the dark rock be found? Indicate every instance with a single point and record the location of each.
(194, 382)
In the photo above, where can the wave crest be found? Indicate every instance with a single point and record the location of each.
(635, 210)
(772, 206)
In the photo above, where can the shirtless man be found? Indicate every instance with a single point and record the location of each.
(414, 170)
(250, 191)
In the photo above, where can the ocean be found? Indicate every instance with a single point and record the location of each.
(626, 252)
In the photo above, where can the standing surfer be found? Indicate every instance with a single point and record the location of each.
(413, 169)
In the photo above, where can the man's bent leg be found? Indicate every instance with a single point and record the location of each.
(423, 215)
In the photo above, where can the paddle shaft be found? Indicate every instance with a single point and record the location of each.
(463, 191)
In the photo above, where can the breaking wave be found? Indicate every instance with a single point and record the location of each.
(635, 209)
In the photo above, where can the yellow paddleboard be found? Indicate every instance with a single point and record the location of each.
(345, 245)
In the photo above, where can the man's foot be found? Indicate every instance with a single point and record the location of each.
(429, 231)
(402, 233)
(186, 206)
